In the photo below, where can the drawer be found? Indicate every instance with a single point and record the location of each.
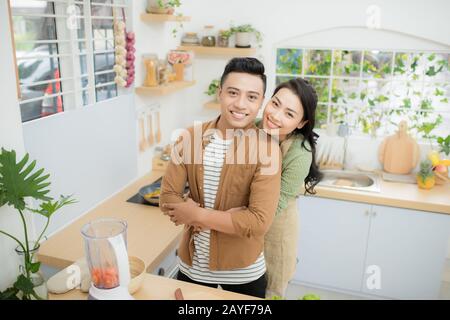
(168, 267)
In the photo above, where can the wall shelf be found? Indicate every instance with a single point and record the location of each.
(164, 90)
(220, 51)
(213, 105)
(151, 17)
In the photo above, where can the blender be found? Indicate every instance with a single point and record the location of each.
(106, 254)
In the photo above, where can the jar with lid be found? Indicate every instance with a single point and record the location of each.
(151, 65)
(190, 39)
(208, 39)
(223, 38)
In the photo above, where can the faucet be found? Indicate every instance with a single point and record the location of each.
(344, 131)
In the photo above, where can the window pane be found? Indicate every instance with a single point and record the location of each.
(345, 91)
(321, 115)
(321, 86)
(106, 92)
(318, 62)
(289, 61)
(347, 63)
(377, 64)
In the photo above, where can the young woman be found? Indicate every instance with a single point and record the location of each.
(290, 114)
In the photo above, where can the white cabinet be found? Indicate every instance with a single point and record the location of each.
(409, 249)
(332, 242)
(346, 245)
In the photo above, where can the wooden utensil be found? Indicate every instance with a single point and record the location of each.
(399, 153)
(178, 294)
(158, 128)
(142, 141)
(150, 137)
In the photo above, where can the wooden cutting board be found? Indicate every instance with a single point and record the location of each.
(399, 153)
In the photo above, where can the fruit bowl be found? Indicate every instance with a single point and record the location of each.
(137, 271)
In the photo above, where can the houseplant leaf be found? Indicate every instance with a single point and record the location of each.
(18, 180)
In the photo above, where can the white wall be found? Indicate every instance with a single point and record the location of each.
(10, 138)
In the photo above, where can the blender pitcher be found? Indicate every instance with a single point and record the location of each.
(106, 254)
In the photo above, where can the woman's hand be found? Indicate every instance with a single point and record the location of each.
(188, 212)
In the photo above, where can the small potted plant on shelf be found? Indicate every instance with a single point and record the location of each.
(162, 6)
(223, 38)
(213, 89)
(243, 33)
(18, 182)
(440, 166)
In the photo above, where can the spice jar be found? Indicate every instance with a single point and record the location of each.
(190, 39)
(208, 39)
(151, 68)
(223, 38)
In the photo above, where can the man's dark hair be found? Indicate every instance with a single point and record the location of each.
(245, 65)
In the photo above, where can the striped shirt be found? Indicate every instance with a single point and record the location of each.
(213, 159)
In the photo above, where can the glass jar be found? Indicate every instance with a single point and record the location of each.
(190, 39)
(151, 70)
(208, 39)
(223, 39)
(40, 290)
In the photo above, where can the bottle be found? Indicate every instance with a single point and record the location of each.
(190, 39)
(208, 39)
(151, 67)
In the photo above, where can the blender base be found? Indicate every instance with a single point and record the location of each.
(117, 293)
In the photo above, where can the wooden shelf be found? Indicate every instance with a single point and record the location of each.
(152, 17)
(220, 51)
(213, 105)
(163, 90)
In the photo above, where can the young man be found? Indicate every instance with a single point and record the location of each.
(222, 160)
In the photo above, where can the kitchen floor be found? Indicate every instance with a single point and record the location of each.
(296, 290)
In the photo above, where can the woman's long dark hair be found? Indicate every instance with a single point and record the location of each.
(308, 97)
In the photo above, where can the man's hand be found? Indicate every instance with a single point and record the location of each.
(188, 212)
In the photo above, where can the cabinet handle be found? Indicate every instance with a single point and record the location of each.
(367, 212)
(374, 214)
(161, 272)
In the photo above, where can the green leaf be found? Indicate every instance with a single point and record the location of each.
(16, 183)
(34, 266)
(24, 284)
(9, 294)
(48, 208)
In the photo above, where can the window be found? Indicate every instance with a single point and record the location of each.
(60, 65)
(373, 90)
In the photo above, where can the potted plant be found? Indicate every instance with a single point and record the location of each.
(243, 33)
(18, 182)
(224, 38)
(213, 89)
(162, 6)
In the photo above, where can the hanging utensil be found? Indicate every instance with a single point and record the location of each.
(150, 137)
(158, 128)
(142, 142)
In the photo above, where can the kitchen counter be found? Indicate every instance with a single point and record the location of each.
(150, 235)
(160, 288)
(394, 194)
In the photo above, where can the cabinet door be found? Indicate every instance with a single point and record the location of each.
(332, 242)
(409, 248)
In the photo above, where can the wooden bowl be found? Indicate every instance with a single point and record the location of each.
(137, 271)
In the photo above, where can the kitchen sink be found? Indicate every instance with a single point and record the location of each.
(351, 180)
